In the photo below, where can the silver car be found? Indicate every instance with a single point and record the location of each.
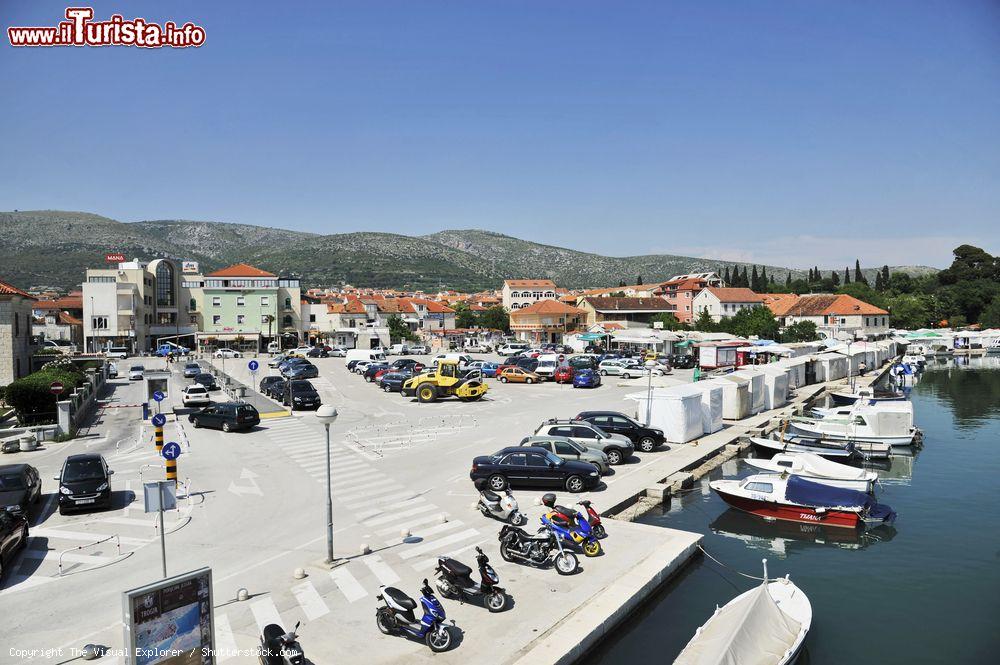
(618, 448)
(569, 449)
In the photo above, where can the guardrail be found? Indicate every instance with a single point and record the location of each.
(114, 537)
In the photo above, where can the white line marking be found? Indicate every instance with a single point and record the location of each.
(68, 556)
(440, 528)
(59, 534)
(433, 545)
(397, 516)
(411, 524)
(429, 563)
(264, 612)
(348, 585)
(381, 569)
(382, 500)
(310, 601)
(225, 642)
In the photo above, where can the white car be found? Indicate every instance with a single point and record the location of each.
(119, 352)
(476, 347)
(418, 349)
(338, 352)
(228, 353)
(361, 366)
(112, 370)
(135, 372)
(195, 395)
(627, 369)
(511, 349)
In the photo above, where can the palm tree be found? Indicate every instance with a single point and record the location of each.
(270, 322)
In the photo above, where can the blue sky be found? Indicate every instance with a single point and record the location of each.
(791, 133)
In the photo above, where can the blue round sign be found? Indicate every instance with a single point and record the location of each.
(158, 396)
(171, 451)
(159, 420)
(253, 365)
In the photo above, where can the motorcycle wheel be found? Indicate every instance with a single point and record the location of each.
(438, 639)
(518, 518)
(384, 622)
(496, 601)
(592, 548)
(566, 563)
(600, 532)
(505, 553)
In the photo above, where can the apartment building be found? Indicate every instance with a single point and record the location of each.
(520, 293)
(546, 321)
(722, 302)
(838, 316)
(15, 333)
(600, 309)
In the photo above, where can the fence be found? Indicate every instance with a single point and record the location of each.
(80, 403)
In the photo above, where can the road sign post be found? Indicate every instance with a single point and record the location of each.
(56, 388)
(159, 420)
(160, 496)
(253, 365)
(171, 452)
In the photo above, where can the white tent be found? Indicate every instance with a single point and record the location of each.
(756, 380)
(830, 367)
(675, 410)
(735, 396)
(775, 385)
(711, 405)
(796, 368)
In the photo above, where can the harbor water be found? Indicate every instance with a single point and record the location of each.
(926, 590)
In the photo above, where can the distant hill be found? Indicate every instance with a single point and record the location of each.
(54, 248)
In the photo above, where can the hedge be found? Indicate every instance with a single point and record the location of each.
(30, 396)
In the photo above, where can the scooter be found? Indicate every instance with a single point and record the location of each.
(455, 581)
(592, 516)
(502, 507)
(280, 648)
(575, 530)
(516, 544)
(396, 617)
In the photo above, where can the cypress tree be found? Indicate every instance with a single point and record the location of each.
(878, 281)
(725, 277)
(858, 275)
(764, 281)
(847, 275)
(638, 280)
(788, 279)
(885, 277)
(835, 278)
(745, 281)
(755, 279)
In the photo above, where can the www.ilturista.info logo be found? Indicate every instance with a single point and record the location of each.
(81, 30)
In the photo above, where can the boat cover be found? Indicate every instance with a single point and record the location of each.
(814, 465)
(810, 493)
(749, 630)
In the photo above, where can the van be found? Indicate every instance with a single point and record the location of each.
(399, 350)
(547, 364)
(513, 348)
(371, 355)
(119, 352)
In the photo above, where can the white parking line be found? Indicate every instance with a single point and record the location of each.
(380, 569)
(264, 612)
(424, 548)
(348, 585)
(225, 642)
(310, 601)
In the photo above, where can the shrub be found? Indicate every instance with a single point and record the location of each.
(30, 396)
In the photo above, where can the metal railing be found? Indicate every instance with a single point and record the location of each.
(114, 537)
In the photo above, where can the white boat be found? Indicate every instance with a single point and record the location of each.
(835, 450)
(766, 625)
(813, 467)
(889, 422)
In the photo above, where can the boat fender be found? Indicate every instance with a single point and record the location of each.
(820, 511)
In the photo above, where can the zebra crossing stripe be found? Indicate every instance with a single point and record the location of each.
(410, 524)
(440, 528)
(360, 479)
(348, 585)
(264, 612)
(371, 490)
(433, 545)
(380, 569)
(310, 601)
(68, 556)
(225, 642)
(398, 515)
(381, 500)
(430, 563)
(59, 534)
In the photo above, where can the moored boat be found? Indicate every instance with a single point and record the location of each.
(873, 422)
(847, 397)
(766, 625)
(798, 500)
(836, 450)
(813, 467)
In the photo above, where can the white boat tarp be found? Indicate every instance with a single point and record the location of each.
(735, 397)
(750, 630)
(810, 464)
(756, 380)
(775, 385)
(711, 405)
(675, 410)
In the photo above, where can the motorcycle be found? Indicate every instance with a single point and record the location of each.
(570, 525)
(502, 507)
(280, 648)
(396, 617)
(592, 516)
(455, 580)
(516, 544)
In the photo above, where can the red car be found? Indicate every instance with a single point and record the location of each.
(563, 374)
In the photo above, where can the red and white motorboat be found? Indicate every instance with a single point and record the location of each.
(795, 499)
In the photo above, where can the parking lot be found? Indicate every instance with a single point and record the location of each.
(254, 511)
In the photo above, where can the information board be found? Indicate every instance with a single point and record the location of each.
(170, 622)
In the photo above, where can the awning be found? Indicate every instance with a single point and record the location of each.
(592, 337)
(686, 343)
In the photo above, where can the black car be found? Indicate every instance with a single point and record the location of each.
(300, 394)
(521, 465)
(272, 386)
(13, 537)
(372, 370)
(683, 361)
(405, 364)
(583, 362)
(301, 371)
(613, 422)
(227, 416)
(392, 382)
(207, 380)
(19, 486)
(317, 352)
(85, 482)
(525, 363)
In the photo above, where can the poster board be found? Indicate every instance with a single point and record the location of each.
(170, 622)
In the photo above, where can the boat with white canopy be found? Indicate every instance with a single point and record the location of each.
(813, 467)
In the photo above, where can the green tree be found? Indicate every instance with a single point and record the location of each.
(752, 321)
(669, 321)
(725, 277)
(862, 291)
(847, 275)
(495, 318)
(465, 317)
(800, 331)
(901, 282)
(910, 311)
(755, 280)
(704, 322)
(858, 275)
(970, 263)
(399, 331)
(835, 278)
(990, 318)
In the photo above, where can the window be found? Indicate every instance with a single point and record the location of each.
(288, 303)
(287, 321)
(561, 431)
(98, 279)
(860, 420)
(165, 284)
(193, 320)
(216, 301)
(265, 301)
(516, 459)
(17, 324)
(192, 304)
(584, 433)
(534, 459)
(312, 318)
(765, 488)
(240, 318)
(216, 320)
(564, 449)
(264, 320)
(97, 323)
(241, 301)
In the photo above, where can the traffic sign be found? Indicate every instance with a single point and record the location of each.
(56, 387)
(158, 396)
(171, 451)
(253, 365)
(159, 420)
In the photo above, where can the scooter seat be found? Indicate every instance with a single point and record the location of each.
(400, 598)
(568, 512)
(558, 520)
(492, 497)
(456, 568)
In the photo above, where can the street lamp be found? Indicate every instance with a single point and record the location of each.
(327, 415)
(649, 391)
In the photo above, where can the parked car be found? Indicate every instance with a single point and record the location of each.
(13, 538)
(272, 386)
(618, 448)
(227, 416)
(300, 394)
(399, 363)
(624, 368)
(518, 375)
(20, 486)
(301, 371)
(191, 370)
(520, 465)
(136, 372)
(398, 350)
(583, 361)
(419, 349)
(486, 368)
(318, 352)
(84, 482)
(569, 449)
(227, 353)
(586, 378)
(563, 374)
(392, 382)
(477, 347)
(119, 352)
(338, 352)
(301, 351)
(112, 370)
(372, 369)
(547, 365)
(290, 362)
(277, 360)
(511, 348)
(683, 361)
(169, 348)
(195, 395)
(206, 380)
(613, 422)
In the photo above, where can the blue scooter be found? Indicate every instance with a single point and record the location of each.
(396, 617)
(580, 534)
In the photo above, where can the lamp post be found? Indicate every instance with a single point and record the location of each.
(327, 415)
(649, 391)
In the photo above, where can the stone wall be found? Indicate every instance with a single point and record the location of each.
(15, 350)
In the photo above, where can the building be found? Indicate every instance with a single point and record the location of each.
(778, 303)
(546, 321)
(681, 292)
(520, 293)
(709, 278)
(838, 316)
(626, 310)
(723, 302)
(59, 319)
(15, 333)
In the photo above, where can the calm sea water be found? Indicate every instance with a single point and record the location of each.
(926, 590)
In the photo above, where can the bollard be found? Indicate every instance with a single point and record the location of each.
(158, 439)
(171, 468)
(242, 594)
(299, 573)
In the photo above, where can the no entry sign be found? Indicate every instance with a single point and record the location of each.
(56, 387)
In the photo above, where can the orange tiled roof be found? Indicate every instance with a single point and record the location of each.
(731, 294)
(834, 305)
(547, 307)
(779, 303)
(522, 283)
(10, 290)
(240, 270)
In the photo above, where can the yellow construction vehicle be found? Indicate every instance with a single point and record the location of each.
(445, 381)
